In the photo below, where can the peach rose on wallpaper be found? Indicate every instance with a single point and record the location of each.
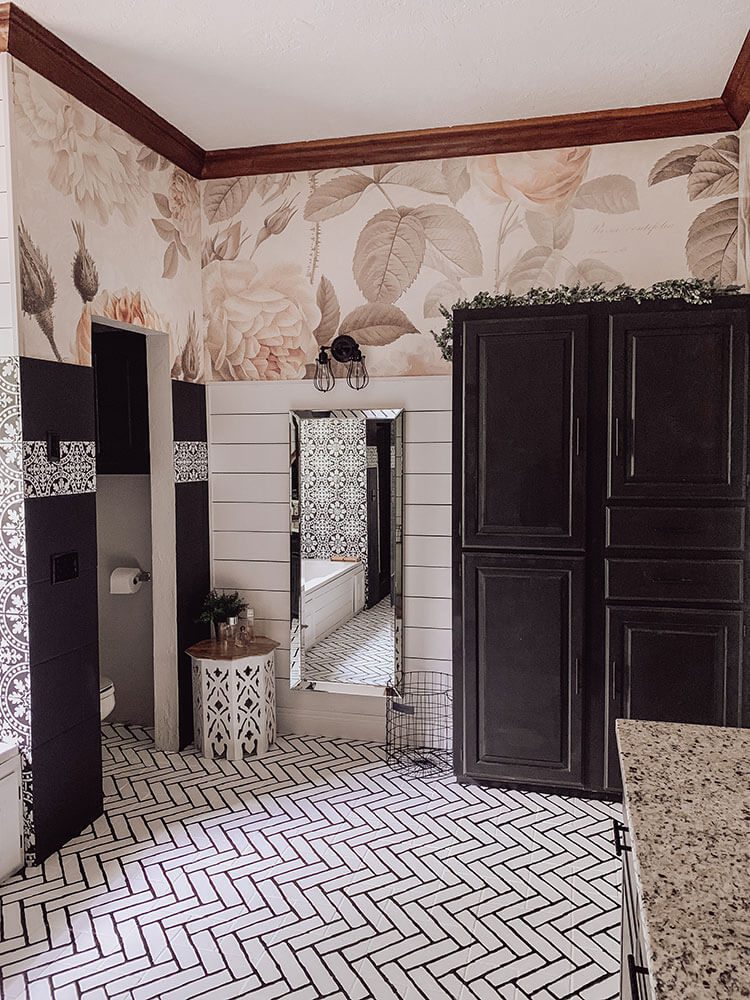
(259, 322)
(544, 180)
(87, 158)
(129, 307)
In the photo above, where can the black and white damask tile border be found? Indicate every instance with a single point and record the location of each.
(15, 677)
(74, 472)
(190, 461)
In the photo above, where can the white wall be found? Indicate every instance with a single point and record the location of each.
(126, 645)
(249, 463)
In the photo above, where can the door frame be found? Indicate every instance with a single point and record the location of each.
(163, 548)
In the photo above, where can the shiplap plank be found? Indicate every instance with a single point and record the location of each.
(269, 604)
(249, 458)
(427, 519)
(246, 575)
(427, 489)
(414, 663)
(427, 612)
(428, 427)
(430, 550)
(427, 457)
(249, 428)
(432, 393)
(421, 581)
(270, 545)
(250, 486)
(429, 643)
(258, 516)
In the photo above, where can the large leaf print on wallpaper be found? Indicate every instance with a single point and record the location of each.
(291, 260)
(249, 275)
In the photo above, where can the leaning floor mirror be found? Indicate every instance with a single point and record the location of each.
(346, 530)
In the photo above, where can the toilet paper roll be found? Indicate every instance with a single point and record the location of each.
(123, 580)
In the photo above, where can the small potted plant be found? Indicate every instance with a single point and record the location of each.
(219, 607)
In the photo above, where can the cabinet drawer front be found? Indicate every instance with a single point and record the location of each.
(676, 528)
(692, 580)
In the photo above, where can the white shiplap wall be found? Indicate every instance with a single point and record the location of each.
(249, 463)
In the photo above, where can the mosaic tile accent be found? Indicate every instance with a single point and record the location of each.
(317, 871)
(75, 472)
(190, 461)
(15, 677)
(333, 489)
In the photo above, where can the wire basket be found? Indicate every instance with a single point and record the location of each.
(418, 724)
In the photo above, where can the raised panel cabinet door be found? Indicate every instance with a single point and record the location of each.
(670, 665)
(524, 468)
(523, 669)
(678, 404)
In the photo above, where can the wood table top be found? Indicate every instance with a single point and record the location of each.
(213, 649)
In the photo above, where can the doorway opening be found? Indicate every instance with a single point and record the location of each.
(123, 526)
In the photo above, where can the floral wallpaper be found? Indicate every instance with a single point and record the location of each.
(249, 275)
(106, 227)
(291, 260)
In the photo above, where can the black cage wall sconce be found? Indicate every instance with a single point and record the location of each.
(346, 351)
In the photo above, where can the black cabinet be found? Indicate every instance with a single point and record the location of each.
(525, 402)
(678, 405)
(523, 650)
(600, 562)
(118, 358)
(669, 665)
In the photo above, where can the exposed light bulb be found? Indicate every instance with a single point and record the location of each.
(324, 380)
(356, 376)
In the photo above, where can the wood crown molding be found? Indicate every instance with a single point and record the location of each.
(736, 95)
(41, 50)
(27, 40)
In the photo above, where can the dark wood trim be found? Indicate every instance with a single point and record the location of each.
(31, 43)
(589, 128)
(736, 94)
(41, 50)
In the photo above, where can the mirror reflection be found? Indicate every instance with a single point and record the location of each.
(346, 566)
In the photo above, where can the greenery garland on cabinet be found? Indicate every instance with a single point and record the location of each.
(694, 290)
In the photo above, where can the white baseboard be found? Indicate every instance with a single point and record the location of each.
(348, 726)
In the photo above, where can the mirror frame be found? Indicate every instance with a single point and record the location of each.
(296, 652)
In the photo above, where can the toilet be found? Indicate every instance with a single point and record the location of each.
(106, 696)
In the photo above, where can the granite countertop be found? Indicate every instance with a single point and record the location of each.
(687, 799)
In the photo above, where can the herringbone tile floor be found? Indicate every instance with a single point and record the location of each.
(315, 872)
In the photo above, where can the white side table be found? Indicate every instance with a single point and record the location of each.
(234, 698)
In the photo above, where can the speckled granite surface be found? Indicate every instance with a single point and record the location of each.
(687, 797)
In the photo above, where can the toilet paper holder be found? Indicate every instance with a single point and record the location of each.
(143, 577)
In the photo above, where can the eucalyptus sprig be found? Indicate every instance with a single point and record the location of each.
(697, 291)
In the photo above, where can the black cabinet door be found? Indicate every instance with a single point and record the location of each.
(523, 447)
(522, 668)
(678, 404)
(668, 665)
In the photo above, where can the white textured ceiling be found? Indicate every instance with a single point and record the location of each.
(245, 72)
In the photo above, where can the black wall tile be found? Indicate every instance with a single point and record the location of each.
(67, 777)
(60, 524)
(193, 583)
(189, 411)
(64, 692)
(56, 397)
(62, 617)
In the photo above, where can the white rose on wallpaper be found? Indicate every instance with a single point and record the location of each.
(88, 158)
(259, 322)
(545, 180)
